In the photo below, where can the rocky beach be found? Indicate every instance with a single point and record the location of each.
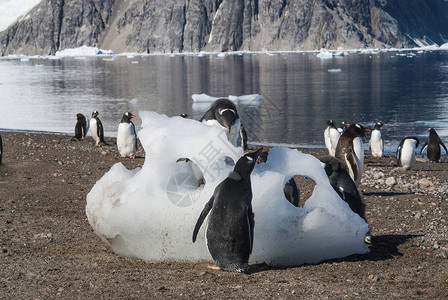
(49, 250)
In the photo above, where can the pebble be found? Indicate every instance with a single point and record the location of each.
(390, 181)
(418, 215)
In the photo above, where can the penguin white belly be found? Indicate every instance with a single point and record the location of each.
(334, 139)
(327, 140)
(126, 139)
(349, 167)
(407, 157)
(359, 157)
(376, 143)
(94, 130)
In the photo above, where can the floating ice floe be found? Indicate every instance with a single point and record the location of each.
(254, 98)
(83, 51)
(150, 212)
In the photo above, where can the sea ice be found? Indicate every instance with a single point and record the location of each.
(251, 98)
(150, 212)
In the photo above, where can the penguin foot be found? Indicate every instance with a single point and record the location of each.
(213, 267)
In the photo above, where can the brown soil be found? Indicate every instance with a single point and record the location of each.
(48, 249)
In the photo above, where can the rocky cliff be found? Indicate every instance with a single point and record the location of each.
(226, 25)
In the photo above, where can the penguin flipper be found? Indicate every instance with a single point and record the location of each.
(243, 135)
(424, 146)
(252, 225)
(399, 155)
(202, 216)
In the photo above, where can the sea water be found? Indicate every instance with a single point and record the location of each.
(407, 89)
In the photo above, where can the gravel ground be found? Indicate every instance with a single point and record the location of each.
(48, 249)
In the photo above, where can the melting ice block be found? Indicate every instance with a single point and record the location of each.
(150, 212)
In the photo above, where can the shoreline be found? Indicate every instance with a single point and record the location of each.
(49, 249)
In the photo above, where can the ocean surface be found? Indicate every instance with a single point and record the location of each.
(408, 90)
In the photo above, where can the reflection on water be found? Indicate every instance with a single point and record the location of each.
(299, 91)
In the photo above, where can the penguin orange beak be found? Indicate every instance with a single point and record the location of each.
(132, 116)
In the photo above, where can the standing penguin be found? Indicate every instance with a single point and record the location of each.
(406, 152)
(343, 184)
(1, 149)
(434, 144)
(345, 150)
(230, 226)
(223, 114)
(331, 136)
(96, 128)
(126, 136)
(376, 143)
(80, 127)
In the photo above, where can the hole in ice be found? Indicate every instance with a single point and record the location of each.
(184, 187)
(298, 189)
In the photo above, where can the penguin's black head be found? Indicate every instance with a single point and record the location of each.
(246, 163)
(378, 125)
(432, 131)
(95, 114)
(184, 115)
(127, 116)
(80, 117)
(331, 123)
(262, 157)
(357, 130)
(225, 113)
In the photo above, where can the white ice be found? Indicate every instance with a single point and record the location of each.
(82, 51)
(150, 212)
(251, 98)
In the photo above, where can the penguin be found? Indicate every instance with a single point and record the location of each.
(406, 152)
(184, 115)
(433, 144)
(1, 149)
(96, 128)
(342, 127)
(345, 150)
(291, 191)
(223, 114)
(230, 226)
(376, 144)
(331, 136)
(126, 136)
(343, 184)
(80, 127)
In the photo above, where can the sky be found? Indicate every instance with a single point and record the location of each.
(11, 10)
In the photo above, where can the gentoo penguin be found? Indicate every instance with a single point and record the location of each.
(433, 144)
(80, 127)
(331, 136)
(345, 150)
(343, 184)
(1, 149)
(126, 136)
(96, 128)
(184, 115)
(406, 152)
(292, 193)
(230, 227)
(376, 144)
(223, 114)
(342, 127)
